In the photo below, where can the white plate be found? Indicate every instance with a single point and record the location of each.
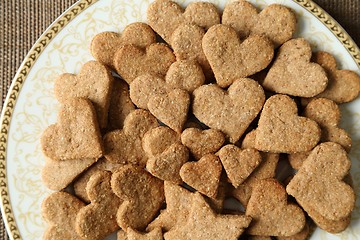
(30, 106)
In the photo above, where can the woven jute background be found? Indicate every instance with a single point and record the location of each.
(23, 21)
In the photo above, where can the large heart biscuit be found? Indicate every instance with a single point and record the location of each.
(230, 58)
(229, 111)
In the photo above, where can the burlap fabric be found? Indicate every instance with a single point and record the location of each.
(23, 21)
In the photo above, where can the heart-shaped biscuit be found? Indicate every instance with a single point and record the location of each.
(171, 108)
(124, 146)
(292, 72)
(202, 142)
(131, 61)
(76, 135)
(165, 16)
(276, 22)
(281, 130)
(229, 111)
(272, 214)
(238, 163)
(186, 41)
(142, 193)
(93, 82)
(343, 86)
(322, 175)
(230, 58)
(60, 209)
(105, 44)
(203, 175)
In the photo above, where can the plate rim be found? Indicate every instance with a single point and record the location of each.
(51, 32)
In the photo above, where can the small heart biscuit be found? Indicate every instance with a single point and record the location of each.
(281, 130)
(124, 146)
(60, 209)
(229, 111)
(98, 219)
(142, 194)
(105, 44)
(343, 86)
(292, 72)
(76, 135)
(171, 108)
(202, 142)
(330, 164)
(276, 22)
(238, 164)
(271, 213)
(165, 16)
(230, 58)
(203, 175)
(131, 61)
(93, 82)
(157, 140)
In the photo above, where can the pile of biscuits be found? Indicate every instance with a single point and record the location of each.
(154, 138)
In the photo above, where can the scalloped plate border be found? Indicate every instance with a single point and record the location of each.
(52, 31)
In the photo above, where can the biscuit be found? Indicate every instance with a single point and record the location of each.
(57, 175)
(229, 111)
(171, 108)
(120, 105)
(165, 16)
(76, 135)
(105, 44)
(98, 219)
(142, 194)
(202, 142)
(178, 200)
(343, 85)
(93, 82)
(276, 22)
(124, 146)
(203, 223)
(321, 175)
(230, 58)
(131, 234)
(292, 72)
(59, 209)
(186, 41)
(271, 213)
(157, 140)
(203, 175)
(185, 74)
(281, 130)
(131, 61)
(302, 235)
(238, 164)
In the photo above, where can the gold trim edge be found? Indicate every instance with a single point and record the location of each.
(10, 102)
(52, 31)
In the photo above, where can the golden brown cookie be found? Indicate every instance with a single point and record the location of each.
(238, 164)
(165, 16)
(93, 82)
(124, 146)
(203, 223)
(157, 140)
(155, 234)
(131, 61)
(203, 175)
(281, 130)
(276, 21)
(271, 213)
(343, 86)
(142, 194)
(322, 175)
(105, 44)
(98, 219)
(229, 111)
(202, 142)
(60, 209)
(292, 72)
(76, 135)
(302, 235)
(230, 58)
